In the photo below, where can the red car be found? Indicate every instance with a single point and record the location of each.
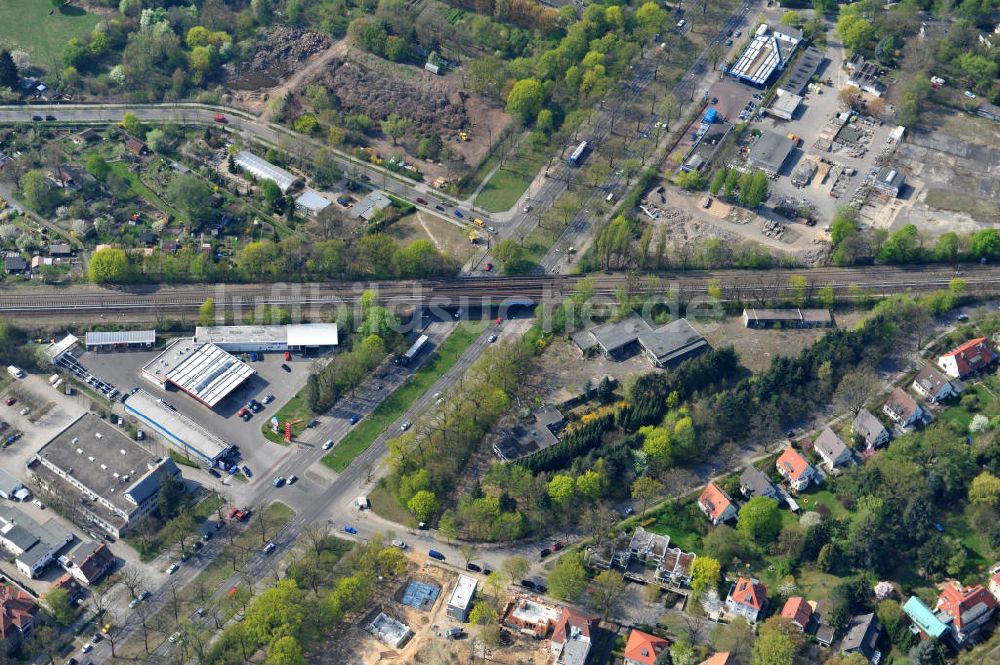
(488, 267)
(218, 117)
(288, 355)
(421, 201)
(10, 401)
(558, 545)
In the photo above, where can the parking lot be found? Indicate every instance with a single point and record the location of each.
(123, 370)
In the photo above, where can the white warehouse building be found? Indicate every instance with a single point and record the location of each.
(292, 337)
(262, 169)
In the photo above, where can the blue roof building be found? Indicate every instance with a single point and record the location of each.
(923, 618)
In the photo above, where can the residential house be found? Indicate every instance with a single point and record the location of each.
(716, 504)
(60, 250)
(17, 613)
(754, 482)
(69, 584)
(794, 468)
(965, 609)
(530, 615)
(33, 545)
(967, 358)
(819, 627)
(14, 264)
(902, 409)
(925, 623)
(136, 147)
(832, 448)
(721, 658)
(797, 610)
(88, 562)
(871, 429)
(73, 177)
(933, 386)
(995, 583)
(747, 598)
(571, 636)
(862, 636)
(86, 136)
(643, 648)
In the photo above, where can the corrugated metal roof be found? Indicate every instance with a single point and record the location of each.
(265, 169)
(209, 374)
(120, 337)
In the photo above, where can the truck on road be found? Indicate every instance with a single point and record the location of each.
(15, 371)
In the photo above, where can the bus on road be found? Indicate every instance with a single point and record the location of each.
(577, 157)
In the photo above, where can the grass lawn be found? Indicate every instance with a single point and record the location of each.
(121, 170)
(398, 402)
(957, 414)
(815, 584)
(684, 523)
(296, 411)
(202, 511)
(508, 183)
(809, 501)
(180, 459)
(385, 505)
(27, 26)
(957, 527)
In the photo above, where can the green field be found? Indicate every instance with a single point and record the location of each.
(27, 26)
(122, 171)
(508, 183)
(296, 410)
(398, 402)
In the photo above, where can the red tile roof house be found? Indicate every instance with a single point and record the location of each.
(716, 504)
(794, 468)
(832, 448)
(934, 386)
(17, 613)
(995, 584)
(572, 627)
(643, 648)
(967, 358)
(797, 610)
(721, 658)
(968, 609)
(902, 409)
(747, 598)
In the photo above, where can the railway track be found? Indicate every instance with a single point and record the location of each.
(734, 285)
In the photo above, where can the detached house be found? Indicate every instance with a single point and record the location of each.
(570, 641)
(754, 482)
(871, 429)
(721, 658)
(17, 613)
(797, 610)
(862, 636)
(832, 448)
(967, 358)
(643, 648)
(747, 598)
(995, 585)
(965, 610)
(794, 468)
(933, 386)
(716, 504)
(902, 409)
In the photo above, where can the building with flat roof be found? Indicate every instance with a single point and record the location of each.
(292, 337)
(204, 371)
(806, 65)
(787, 318)
(182, 433)
(121, 339)
(310, 203)
(33, 546)
(460, 601)
(784, 105)
(111, 480)
(889, 181)
(663, 346)
(262, 169)
(770, 151)
(768, 52)
(371, 204)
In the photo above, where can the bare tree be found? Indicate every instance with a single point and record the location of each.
(316, 536)
(175, 602)
(856, 388)
(468, 552)
(133, 579)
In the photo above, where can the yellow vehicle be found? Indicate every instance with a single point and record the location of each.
(478, 222)
(106, 629)
(463, 135)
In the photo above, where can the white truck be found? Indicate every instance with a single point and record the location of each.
(16, 372)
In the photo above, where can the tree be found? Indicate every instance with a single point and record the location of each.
(561, 489)
(180, 529)
(285, 650)
(792, 19)
(903, 246)
(777, 644)
(172, 497)
(515, 567)
(131, 123)
(157, 140)
(97, 167)
(526, 99)
(423, 505)
(759, 520)
(272, 194)
(58, 603)
(682, 652)
(395, 126)
(8, 71)
(854, 31)
(568, 580)
(985, 244)
(645, 489)
(723, 543)
(37, 189)
(484, 615)
(705, 574)
(847, 659)
(192, 196)
(856, 388)
(109, 266)
(927, 652)
(734, 637)
(206, 312)
(606, 590)
(325, 171)
(985, 490)
(509, 254)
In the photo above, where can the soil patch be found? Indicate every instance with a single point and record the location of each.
(279, 50)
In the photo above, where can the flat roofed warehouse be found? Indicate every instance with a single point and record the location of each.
(117, 480)
(204, 371)
(265, 170)
(798, 318)
(189, 438)
(460, 601)
(293, 337)
(100, 341)
(770, 151)
(806, 66)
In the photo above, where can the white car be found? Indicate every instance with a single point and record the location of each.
(328, 444)
(400, 544)
(405, 426)
(970, 94)
(176, 636)
(87, 648)
(172, 569)
(38, 504)
(25, 411)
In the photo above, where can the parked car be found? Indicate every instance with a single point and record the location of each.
(207, 536)
(492, 338)
(247, 472)
(25, 411)
(172, 569)
(544, 553)
(354, 419)
(214, 473)
(268, 398)
(473, 567)
(292, 479)
(350, 529)
(87, 648)
(255, 406)
(269, 548)
(541, 587)
(405, 426)
(38, 504)
(200, 611)
(288, 356)
(488, 267)
(421, 201)
(458, 213)
(487, 571)
(286, 367)
(175, 637)
(10, 401)
(434, 554)
(527, 584)
(328, 444)
(454, 633)
(399, 543)
(558, 545)
(279, 481)
(50, 118)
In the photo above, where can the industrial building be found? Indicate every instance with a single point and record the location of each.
(113, 481)
(460, 601)
(262, 169)
(787, 318)
(785, 104)
(806, 66)
(663, 346)
(186, 436)
(770, 152)
(204, 371)
(33, 546)
(12, 488)
(118, 340)
(865, 75)
(889, 182)
(768, 52)
(292, 337)
(310, 203)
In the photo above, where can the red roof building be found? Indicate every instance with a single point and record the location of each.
(968, 609)
(721, 658)
(747, 598)
(17, 612)
(995, 585)
(643, 648)
(967, 358)
(716, 504)
(797, 610)
(795, 469)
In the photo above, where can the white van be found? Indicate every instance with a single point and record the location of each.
(681, 23)
(16, 372)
